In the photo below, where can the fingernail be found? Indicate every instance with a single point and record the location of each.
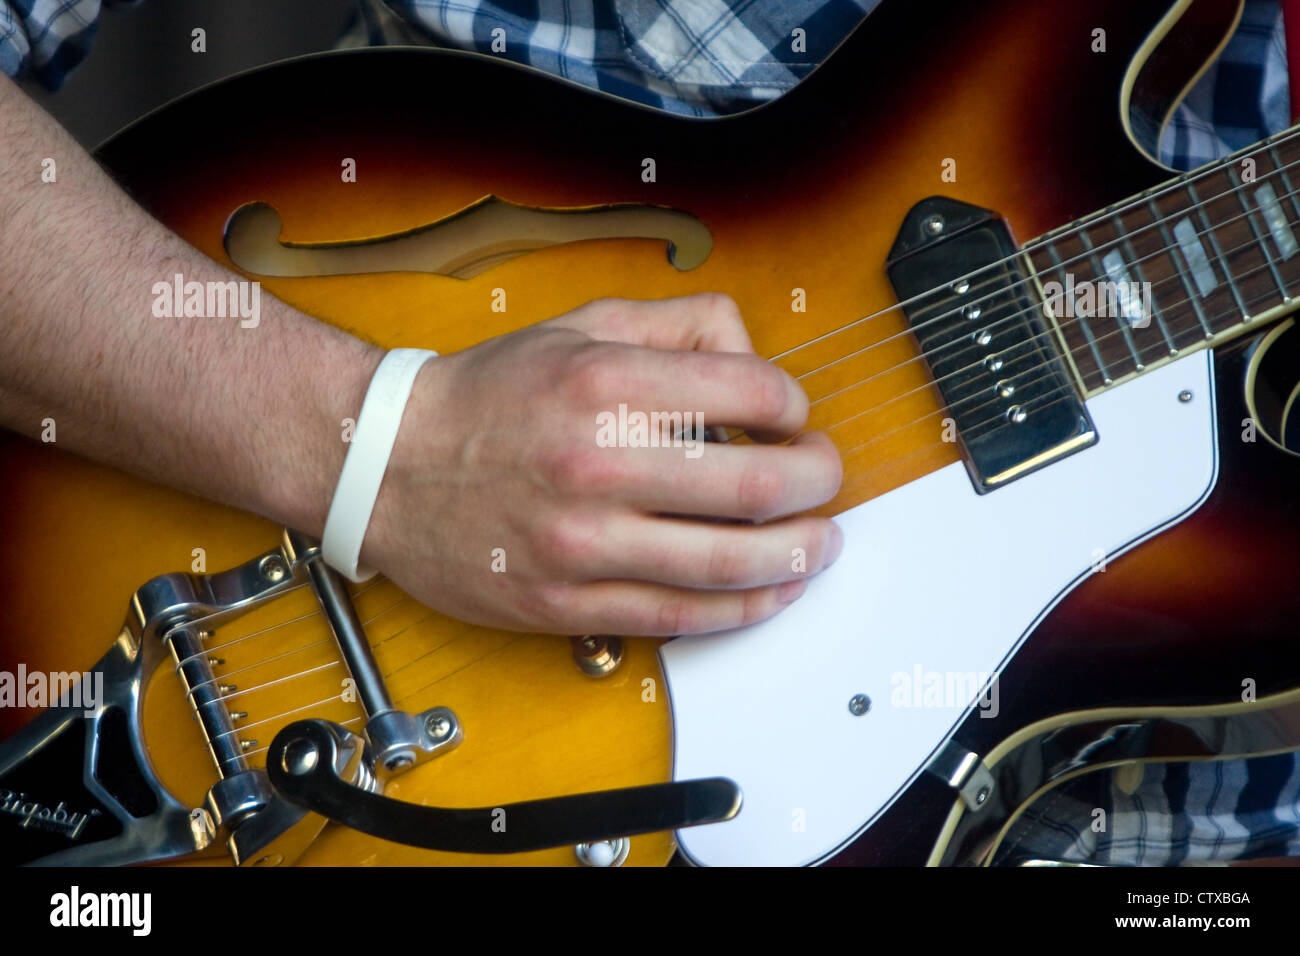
(791, 590)
(834, 546)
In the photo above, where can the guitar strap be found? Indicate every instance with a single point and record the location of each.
(1291, 29)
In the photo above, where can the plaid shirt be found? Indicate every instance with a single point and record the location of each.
(707, 57)
(47, 38)
(697, 57)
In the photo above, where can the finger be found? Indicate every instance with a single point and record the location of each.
(723, 388)
(660, 610)
(695, 554)
(711, 479)
(708, 321)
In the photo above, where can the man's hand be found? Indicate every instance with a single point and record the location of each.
(500, 507)
(497, 448)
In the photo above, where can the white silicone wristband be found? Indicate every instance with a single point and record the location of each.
(367, 460)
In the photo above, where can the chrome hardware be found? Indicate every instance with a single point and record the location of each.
(597, 655)
(964, 772)
(1016, 414)
(316, 771)
(349, 636)
(1185, 396)
(272, 568)
(137, 820)
(982, 337)
(1004, 389)
(603, 852)
(934, 224)
(859, 704)
(971, 312)
(399, 740)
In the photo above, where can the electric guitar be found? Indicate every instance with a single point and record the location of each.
(1070, 503)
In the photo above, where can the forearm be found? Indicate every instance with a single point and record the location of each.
(247, 415)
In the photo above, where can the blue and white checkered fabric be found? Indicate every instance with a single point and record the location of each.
(708, 57)
(1242, 97)
(1177, 814)
(698, 57)
(47, 38)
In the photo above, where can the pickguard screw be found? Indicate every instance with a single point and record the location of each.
(437, 726)
(273, 568)
(1185, 396)
(859, 704)
(982, 796)
(934, 224)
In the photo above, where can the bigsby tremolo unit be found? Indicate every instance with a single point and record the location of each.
(114, 810)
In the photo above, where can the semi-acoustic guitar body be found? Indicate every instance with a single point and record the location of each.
(487, 197)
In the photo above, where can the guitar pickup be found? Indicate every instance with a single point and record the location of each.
(978, 319)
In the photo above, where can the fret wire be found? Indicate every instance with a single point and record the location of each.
(1280, 169)
(1056, 328)
(1121, 320)
(1073, 353)
(1176, 254)
(997, 420)
(1218, 251)
(1029, 248)
(1037, 336)
(1043, 241)
(1047, 238)
(1080, 320)
(1137, 269)
(1259, 239)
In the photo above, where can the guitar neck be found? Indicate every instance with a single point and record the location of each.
(1186, 265)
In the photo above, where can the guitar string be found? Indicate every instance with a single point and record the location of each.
(311, 670)
(1176, 278)
(1000, 419)
(1256, 243)
(219, 678)
(262, 750)
(207, 651)
(208, 618)
(1080, 226)
(1048, 364)
(1036, 402)
(1084, 225)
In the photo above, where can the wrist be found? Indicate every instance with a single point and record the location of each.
(335, 381)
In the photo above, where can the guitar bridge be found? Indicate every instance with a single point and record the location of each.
(122, 813)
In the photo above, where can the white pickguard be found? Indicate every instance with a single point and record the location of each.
(934, 579)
